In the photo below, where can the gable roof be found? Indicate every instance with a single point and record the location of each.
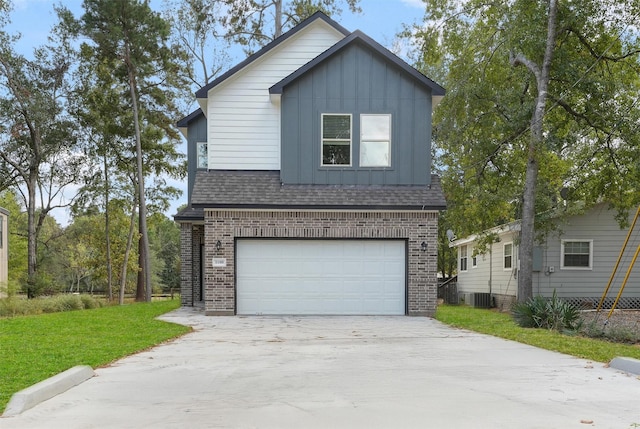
(184, 122)
(263, 190)
(203, 92)
(361, 38)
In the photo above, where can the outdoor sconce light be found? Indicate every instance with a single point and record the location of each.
(218, 245)
(423, 246)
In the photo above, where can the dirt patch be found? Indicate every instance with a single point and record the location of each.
(622, 326)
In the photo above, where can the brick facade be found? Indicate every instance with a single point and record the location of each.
(228, 225)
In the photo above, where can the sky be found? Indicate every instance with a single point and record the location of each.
(380, 19)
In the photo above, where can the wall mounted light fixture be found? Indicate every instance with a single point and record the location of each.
(218, 245)
(423, 246)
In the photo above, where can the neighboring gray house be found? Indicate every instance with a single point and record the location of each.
(576, 260)
(310, 185)
(4, 251)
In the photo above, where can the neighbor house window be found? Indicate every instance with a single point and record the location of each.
(202, 150)
(474, 261)
(375, 140)
(508, 256)
(576, 254)
(336, 139)
(463, 258)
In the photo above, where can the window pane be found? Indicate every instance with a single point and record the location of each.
(576, 261)
(336, 127)
(374, 154)
(336, 153)
(576, 254)
(376, 127)
(203, 156)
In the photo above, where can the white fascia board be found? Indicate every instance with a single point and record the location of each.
(500, 230)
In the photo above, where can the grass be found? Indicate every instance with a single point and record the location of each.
(502, 325)
(33, 348)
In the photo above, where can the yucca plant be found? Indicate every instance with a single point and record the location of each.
(539, 312)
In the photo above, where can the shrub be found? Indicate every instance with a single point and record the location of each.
(539, 312)
(15, 306)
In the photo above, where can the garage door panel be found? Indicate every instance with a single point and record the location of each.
(320, 277)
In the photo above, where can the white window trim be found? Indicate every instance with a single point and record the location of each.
(590, 241)
(198, 144)
(504, 254)
(322, 140)
(388, 115)
(466, 257)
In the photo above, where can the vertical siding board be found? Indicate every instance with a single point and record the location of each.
(358, 81)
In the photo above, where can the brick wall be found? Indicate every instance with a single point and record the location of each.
(227, 225)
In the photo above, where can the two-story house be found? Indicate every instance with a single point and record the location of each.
(310, 185)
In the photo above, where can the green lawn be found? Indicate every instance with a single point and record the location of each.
(33, 348)
(501, 325)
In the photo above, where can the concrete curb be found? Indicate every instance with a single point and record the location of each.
(626, 364)
(47, 389)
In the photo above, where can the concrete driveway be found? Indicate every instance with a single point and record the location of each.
(341, 372)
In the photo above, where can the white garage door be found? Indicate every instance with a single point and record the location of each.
(320, 277)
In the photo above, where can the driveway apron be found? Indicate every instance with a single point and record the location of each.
(341, 372)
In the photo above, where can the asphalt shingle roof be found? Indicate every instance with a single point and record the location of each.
(262, 189)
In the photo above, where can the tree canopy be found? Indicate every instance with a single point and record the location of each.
(491, 58)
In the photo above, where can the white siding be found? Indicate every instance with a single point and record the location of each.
(597, 225)
(490, 265)
(244, 125)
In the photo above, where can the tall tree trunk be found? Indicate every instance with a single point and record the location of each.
(107, 227)
(32, 242)
(127, 253)
(278, 19)
(527, 233)
(142, 205)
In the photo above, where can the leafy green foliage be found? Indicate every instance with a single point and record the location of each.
(33, 348)
(553, 313)
(589, 144)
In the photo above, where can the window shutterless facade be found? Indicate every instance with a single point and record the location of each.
(508, 256)
(375, 140)
(336, 139)
(576, 254)
(463, 258)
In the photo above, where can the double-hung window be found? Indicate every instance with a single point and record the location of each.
(577, 254)
(463, 258)
(375, 140)
(336, 139)
(508, 256)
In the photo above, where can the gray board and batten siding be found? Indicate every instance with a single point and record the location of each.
(196, 124)
(356, 80)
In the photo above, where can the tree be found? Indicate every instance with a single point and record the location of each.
(542, 98)
(254, 23)
(132, 39)
(17, 240)
(197, 29)
(39, 152)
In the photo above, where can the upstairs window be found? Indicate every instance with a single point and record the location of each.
(202, 150)
(463, 258)
(577, 254)
(375, 140)
(336, 139)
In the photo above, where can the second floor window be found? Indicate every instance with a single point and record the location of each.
(375, 140)
(202, 150)
(336, 139)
